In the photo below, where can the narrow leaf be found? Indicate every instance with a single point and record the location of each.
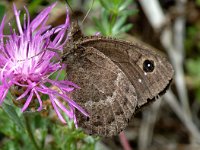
(10, 111)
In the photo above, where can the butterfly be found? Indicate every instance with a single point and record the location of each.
(116, 78)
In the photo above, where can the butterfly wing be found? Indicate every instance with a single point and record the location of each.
(132, 58)
(106, 93)
(115, 78)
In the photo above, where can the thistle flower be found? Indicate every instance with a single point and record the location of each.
(26, 62)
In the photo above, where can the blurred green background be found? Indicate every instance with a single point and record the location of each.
(124, 19)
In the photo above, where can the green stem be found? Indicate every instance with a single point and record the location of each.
(30, 133)
(113, 21)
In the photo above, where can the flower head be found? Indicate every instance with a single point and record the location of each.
(26, 62)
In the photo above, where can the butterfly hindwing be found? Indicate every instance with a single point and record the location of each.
(106, 93)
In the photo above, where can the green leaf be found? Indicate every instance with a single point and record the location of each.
(113, 17)
(120, 22)
(128, 12)
(125, 4)
(99, 26)
(116, 5)
(105, 4)
(126, 28)
(10, 111)
(105, 22)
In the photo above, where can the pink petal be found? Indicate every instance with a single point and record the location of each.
(56, 109)
(28, 101)
(17, 19)
(39, 19)
(39, 99)
(67, 112)
(24, 94)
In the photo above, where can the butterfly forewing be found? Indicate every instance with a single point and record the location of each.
(130, 58)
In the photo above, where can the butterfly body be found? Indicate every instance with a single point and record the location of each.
(116, 78)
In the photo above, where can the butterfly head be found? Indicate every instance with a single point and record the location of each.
(71, 48)
(75, 33)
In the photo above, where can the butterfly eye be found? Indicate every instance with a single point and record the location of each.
(148, 65)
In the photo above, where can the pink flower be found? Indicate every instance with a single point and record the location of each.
(26, 62)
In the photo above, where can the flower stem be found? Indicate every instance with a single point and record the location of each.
(30, 133)
(124, 141)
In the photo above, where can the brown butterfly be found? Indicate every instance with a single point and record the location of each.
(116, 79)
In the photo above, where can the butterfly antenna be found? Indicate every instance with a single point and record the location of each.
(69, 6)
(32, 56)
(88, 12)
